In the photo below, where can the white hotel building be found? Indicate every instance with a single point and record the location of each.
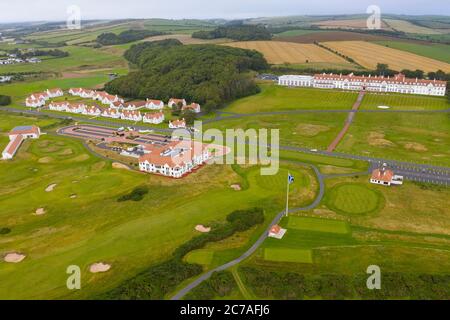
(397, 84)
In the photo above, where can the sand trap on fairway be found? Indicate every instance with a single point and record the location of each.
(66, 152)
(73, 196)
(415, 146)
(202, 229)
(40, 211)
(383, 107)
(99, 267)
(45, 160)
(51, 187)
(377, 139)
(14, 257)
(117, 165)
(236, 187)
(310, 130)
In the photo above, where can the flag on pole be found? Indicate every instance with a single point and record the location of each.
(290, 179)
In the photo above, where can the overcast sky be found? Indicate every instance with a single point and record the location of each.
(38, 10)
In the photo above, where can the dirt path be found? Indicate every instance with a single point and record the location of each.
(348, 122)
(247, 295)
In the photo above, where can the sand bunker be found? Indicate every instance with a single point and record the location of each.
(310, 130)
(202, 229)
(40, 211)
(73, 196)
(383, 107)
(377, 139)
(80, 158)
(66, 152)
(14, 257)
(51, 187)
(415, 146)
(45, 160)
(99, 267)
(117, 165)
(236, 187)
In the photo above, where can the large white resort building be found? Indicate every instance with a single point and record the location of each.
(397, 84)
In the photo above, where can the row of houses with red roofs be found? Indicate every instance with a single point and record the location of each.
(16, 137)
(39, 99)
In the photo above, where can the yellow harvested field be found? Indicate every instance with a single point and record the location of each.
(185, 39)
(277, 52)
(369, 54)
(346, 24)
(408, 27)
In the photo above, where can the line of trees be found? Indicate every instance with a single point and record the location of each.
(110, 38)
(236, 32)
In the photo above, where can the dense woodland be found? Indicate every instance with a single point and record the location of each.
(207, 74)
(239, 32)
(110, 38)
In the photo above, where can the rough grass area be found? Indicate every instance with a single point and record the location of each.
(319, 225)
(288, 255)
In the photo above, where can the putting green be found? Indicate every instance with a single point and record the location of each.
(318, 225)
(202, 256)
(354, 199)
(288, 255)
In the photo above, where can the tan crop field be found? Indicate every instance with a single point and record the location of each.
(408, 27)
(369, 54)
(346, 24)
(277, 52)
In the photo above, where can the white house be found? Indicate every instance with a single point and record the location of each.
(53, 93)
(17, 136)
(34, 103)
(39, 96)
(111, 113)
(174, 101)
(106, 98)
(131, 115)
(136, 105)
(154, 104)
(177, 124)
(194, 107)
(277, 232)
(385, 177)
(58, 106)
(76, 108)
(116, 105)
(175, 160)
(92, 111)
(397, 84)
(154, 118)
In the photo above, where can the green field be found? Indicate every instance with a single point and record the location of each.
(434, 51)
(202, 256)
(298, 32)
(288, 255)
(418, 137)
(404, 102)
(278, 98)
(319, 225)
(354, 199)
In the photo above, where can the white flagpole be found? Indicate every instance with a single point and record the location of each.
(287, 196)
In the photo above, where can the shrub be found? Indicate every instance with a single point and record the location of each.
(5, 100)
(5, 230)
(137, 194)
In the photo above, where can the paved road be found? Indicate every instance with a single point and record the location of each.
(261, 239)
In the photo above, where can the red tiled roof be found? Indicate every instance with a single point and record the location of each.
(275, 229)
(384, 175)
(14, 145)
(397, 79)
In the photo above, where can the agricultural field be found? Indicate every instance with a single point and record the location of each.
(417, 137)
(279, 98)
(84, 200)
(408, 27)
(347, 24)
(435, 51)
(287, 52)
(369, 55)
(324, 36)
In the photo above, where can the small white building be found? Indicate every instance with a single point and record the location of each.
(154, 118)
(53, 93)
(92, 111)
(116, 105)
(16, 137)
(131, 115)
(194, 107)
(277, 232)
(385, 177)
(154, 104)
(34, 103)
(136, 105)
(296, 81)
(111, 113)
(79, 108)
(58, 106)
(174, 102)
(177, 124)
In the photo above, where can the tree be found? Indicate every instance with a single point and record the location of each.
(190, 117)
(382, 69)
(5, 100)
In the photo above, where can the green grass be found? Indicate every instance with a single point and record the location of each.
(417, 137)
(298, 32)
(354, 199)
(278, 98)
(434, 51)
(319, 225)
(201, 256)
(288, 255)
(404, 102)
